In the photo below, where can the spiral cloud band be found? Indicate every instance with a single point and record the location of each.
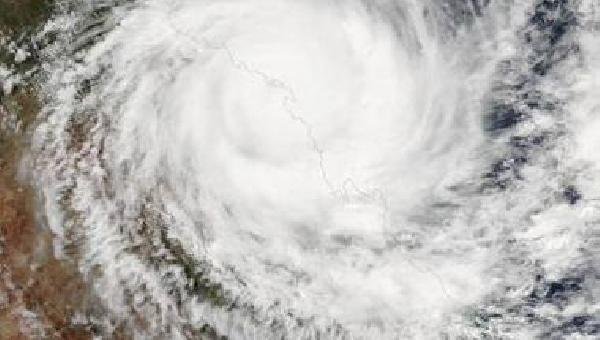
(333, 169)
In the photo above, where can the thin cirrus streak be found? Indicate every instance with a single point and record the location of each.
(327, 169)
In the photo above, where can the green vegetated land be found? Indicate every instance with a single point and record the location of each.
(20, 16)
(19, 19)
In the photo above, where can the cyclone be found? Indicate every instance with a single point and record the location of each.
(322, 169)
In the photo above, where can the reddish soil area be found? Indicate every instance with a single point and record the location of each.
(39, 294)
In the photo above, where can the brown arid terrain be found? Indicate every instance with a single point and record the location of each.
(41, 297)
(39, 294)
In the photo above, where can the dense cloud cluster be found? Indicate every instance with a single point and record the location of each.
(295, 168)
